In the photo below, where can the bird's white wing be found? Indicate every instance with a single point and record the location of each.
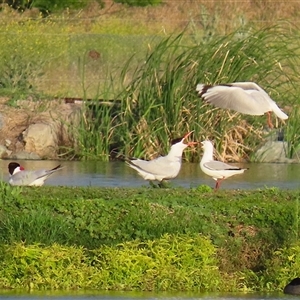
(23, 178)
(235, 98)
(278, 112)
(248, 86)
(28, 177)
(158, 166)
(261, 95)
(244, 97)
(219, 166)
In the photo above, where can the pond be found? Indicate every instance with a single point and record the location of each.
(117, 174)
(86, 295)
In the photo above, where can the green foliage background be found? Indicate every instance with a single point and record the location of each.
(52, 6)
(148, 239)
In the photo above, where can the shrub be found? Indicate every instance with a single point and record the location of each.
(47, 6)
(139, 2)
(172, 262)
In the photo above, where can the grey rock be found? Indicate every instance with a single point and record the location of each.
(273, 151)
(24, 155)
(41, 139)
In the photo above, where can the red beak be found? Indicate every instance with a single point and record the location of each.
(190, 143)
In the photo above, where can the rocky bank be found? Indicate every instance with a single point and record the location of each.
(37, 129)
(40, 129)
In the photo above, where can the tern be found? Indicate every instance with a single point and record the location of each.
(19, 176)
(216, 169)
(164, 167)
(244, 97)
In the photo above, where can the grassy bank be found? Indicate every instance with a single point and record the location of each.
(148, 239)
(152, 72)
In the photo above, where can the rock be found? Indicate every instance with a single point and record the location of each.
(24, 155)
(4, 152)
(42, 140)
(40, 127)
(293, 288)
(273, 151)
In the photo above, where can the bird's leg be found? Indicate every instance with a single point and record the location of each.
(152, 184)
(269, 119)
(218, 183)
(163, 184)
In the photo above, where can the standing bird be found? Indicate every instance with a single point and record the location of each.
(244, 97)
(18, 175)
(216, 169)
(163, 167)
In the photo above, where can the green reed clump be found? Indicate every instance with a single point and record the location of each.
(172, 262)
(292, 134)
(95, 137)
(159, 101)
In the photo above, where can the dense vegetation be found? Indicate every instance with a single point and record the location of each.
(148, 239)
(51, 6)
(151, 239)
(151, 77)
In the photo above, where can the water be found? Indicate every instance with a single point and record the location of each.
(117, 174)
(81, 295)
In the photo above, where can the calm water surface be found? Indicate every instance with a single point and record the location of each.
(117, 174)
(139, 296)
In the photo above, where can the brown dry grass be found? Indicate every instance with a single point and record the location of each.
(221, 15)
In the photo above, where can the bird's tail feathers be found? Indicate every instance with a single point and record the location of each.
(56, 168)
(199, 87)
(127, 159)
(280, 114)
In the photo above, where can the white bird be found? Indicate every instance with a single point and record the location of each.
(216, 169)
(19, 176)
(244, 97)
(163, 167)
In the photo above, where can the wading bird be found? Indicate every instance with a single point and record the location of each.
(19, 176)
(164, 167)
(244, 97)
(216, 169)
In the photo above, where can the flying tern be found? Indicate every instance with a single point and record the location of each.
(19, 176)
(216, 169)
(244, 97)
(164, 167)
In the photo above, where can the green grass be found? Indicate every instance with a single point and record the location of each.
(148, 239)
(91, 217)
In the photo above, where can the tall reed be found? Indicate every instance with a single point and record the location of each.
(157, 99)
